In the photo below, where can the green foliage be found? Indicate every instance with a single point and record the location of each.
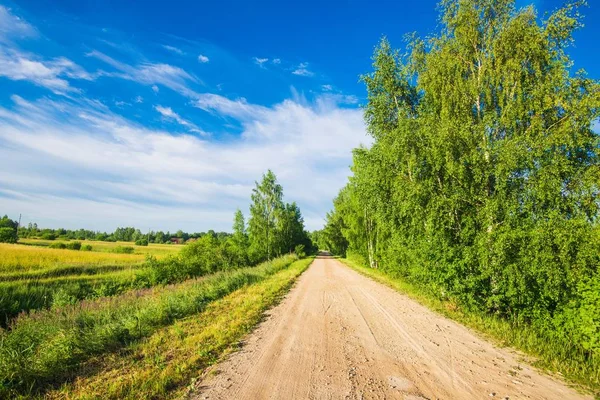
(266, 205)
(299, 250)
(74, 245)
(275, 227)
(86, 247)
(58, 245)
(482, 182)
(8, 235)
(123, 250)
(141, 242)
(8, 230)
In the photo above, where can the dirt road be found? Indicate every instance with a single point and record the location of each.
(340, 335)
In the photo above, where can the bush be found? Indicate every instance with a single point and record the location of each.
(86, 247)
(299, 250)
(141, 242)
(58, 245)
(123, 250)
(74, 245)
(8, 235)
(48, 236)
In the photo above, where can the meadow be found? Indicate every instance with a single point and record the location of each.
(155, 249)
(34, 276)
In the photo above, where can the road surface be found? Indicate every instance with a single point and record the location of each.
(340, 335)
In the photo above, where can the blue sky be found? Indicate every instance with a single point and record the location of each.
(162, 114)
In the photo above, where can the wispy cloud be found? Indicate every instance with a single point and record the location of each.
(203, 59)
(260, 61)
(173, 49)
(153, 74)
(168, 113)
(276, 61)
(302, 70)
(139, 99)
(19, 65)
(13, 27)
(238, 108)
(327, 88)
(51, 74)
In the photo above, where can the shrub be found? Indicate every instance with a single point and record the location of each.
(299, 250)
(48, 236)
(58, 245)
(8, 235)
(74, 245)
(141, 242)
(123, 250)
(86, 247)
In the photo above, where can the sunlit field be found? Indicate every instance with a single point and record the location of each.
(157, 250)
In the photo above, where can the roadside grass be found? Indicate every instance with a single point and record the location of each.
(23, 295)
(166, 364)
(155, 249)
(45, 347)
(579, 369)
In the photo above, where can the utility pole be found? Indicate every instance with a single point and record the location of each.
(18, 226)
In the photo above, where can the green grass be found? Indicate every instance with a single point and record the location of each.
(166, 363)
(18, 296)
(46, 347)
(580, 369)
(36, 276)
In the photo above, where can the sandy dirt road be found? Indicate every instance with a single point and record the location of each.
(340, 335)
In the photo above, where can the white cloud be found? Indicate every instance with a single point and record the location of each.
(139, 99)
(276, 61)
(11, 26)
(327, 88)
(109, 171)
(167, 75)
(155, 88)
(203, 59)
(174, 49)
(302, 70)
(168, 113)
(239, 108)
(260, 61)
(51, 74)
(19, 65)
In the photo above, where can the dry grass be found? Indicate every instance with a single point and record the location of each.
(15, 257)
(157, 250)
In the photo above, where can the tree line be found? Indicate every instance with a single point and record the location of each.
(125, 234)
(274, 228)
(482, 183)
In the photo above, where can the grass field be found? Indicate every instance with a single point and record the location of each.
(49, 347)
(34, 276)
(157, 250)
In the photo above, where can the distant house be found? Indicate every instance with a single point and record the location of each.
(177, 240)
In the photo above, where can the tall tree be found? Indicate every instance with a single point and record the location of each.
(483, 177)
(264, 212)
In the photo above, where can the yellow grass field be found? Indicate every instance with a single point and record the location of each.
(154, 249)
(34, 256)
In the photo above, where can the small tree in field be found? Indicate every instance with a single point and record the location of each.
(8, 230)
